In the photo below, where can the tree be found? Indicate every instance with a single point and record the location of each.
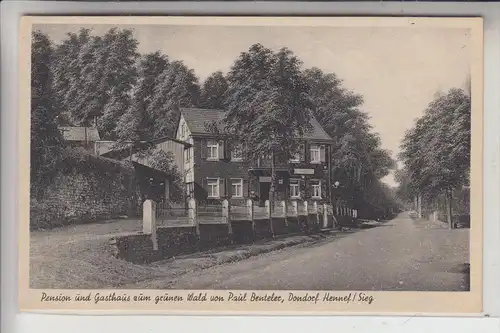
(95, 75)
(177, 87)
(46, 140)
(66, 71)
(213, 91)
(357, 159)
(137, 123)
(436, 151)
(267, 106)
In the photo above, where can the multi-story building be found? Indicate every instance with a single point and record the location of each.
(215, 169)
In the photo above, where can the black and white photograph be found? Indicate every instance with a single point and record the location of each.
(253, 157)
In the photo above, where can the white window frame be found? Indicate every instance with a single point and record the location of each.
(318, 186)
(295, 185)
(238, 182)
(187, 155)
(210, 145)
(211, 186)
(317, 150)
(237, 149)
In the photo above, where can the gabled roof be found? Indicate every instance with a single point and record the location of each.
(78, 133)
(197, 118)
(113, 149)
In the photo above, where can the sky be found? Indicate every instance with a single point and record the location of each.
(397, 70)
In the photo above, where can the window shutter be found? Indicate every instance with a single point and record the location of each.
(227, 150)
(204, 149)
(322, 153)
(302, 152)
(222, 188)
(204, 187)
(245, 187)
(221, 150)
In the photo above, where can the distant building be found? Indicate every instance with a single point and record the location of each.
(217, 169)
(80, 136)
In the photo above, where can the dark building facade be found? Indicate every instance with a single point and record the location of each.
(215, 170)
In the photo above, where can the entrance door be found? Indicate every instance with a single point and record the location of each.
(264, 188)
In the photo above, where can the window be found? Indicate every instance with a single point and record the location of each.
(316, 189)
(237, 153)
(294, 190)
(315, 154)
(237, 188)
(187, 155)
(213, 150)
(213, 187)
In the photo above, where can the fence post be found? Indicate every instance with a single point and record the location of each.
(226, 213)
(149, 221)
(250, 213)
(268, 208)
(325, 215)
(306, 208)
(315, 211)
(193, 216)
(295, 208)
(285, 211)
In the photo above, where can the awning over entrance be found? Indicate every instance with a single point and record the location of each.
(148, 172)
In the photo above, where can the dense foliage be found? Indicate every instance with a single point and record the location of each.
(46, 140)
(436, 151)
(358, 161)
(267, 105)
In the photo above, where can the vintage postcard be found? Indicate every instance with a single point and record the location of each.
(251, 165)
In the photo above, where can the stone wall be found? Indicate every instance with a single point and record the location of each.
(81, 196)
(214, 235)
(138, 247)
(175, 241)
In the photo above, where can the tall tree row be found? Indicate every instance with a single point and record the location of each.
(436, 151)
(137, 123)
(264, 86)
(213, 92)
(358, 161)
(94, 75)
(46, 140)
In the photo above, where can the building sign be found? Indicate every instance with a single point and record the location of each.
(303, 171)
